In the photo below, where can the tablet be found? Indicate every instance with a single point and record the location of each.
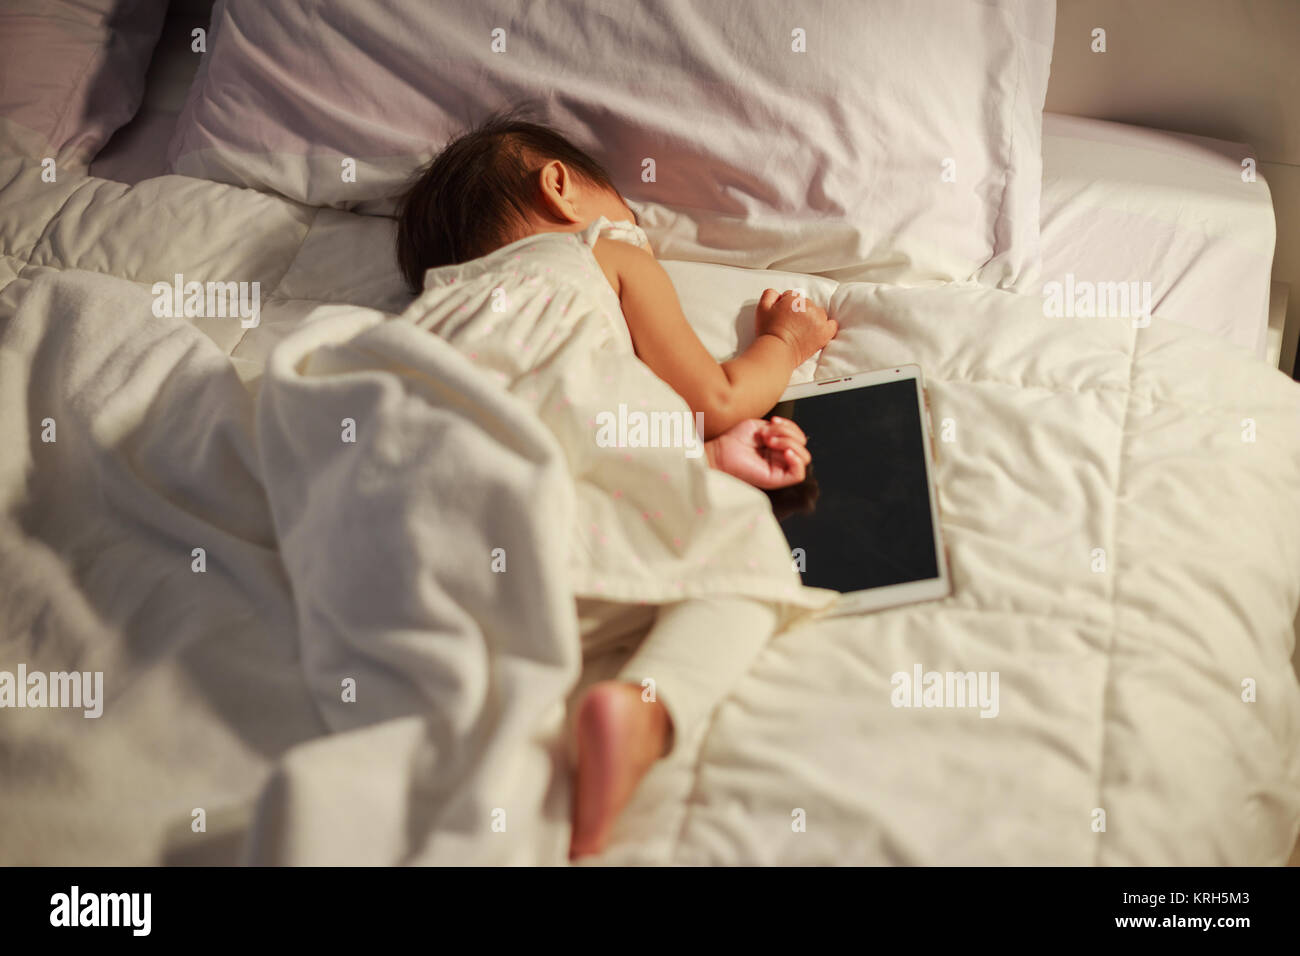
(866, 522)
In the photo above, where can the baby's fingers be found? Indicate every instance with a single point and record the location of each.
(783, 445)
(794, 467)
(783, 426)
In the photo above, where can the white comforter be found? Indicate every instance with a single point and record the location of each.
(1156, 687)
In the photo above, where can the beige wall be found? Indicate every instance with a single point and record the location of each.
(1223, 68)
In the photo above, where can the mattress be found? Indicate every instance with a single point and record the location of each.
(1118, 502)
(1127, 204)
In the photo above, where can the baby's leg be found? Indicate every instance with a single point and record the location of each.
(694, 654)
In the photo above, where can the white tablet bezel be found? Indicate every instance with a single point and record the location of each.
(911, 592)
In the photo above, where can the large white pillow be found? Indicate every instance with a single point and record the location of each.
(71, 73)
(811, 137)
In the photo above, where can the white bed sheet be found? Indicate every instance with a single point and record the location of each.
(1123, 204)
(1121, 688)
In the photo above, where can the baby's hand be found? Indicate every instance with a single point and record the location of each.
(795, 320)
(767, 454)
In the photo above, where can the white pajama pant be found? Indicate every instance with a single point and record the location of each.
(694, 651)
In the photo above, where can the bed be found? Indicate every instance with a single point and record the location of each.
(1119, 504)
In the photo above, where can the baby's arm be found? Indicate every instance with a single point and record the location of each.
(727, 393)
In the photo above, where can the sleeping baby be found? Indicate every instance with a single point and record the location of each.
(528, 260)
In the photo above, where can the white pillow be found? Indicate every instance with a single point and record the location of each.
(887, 140)
(72, 72)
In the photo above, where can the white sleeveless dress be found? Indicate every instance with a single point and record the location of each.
(654, 525)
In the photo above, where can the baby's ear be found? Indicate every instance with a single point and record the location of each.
(558, 190)
(550, 177)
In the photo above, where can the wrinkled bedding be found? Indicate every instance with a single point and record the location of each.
(1119, 505)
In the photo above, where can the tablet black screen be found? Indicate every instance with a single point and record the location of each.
(870, 523)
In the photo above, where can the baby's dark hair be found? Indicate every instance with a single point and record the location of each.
(468, 199)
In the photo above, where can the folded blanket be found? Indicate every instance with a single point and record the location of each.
(239, 572)
(423, 516)
(136, 541)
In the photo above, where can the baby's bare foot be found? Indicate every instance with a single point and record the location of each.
(620, 736)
